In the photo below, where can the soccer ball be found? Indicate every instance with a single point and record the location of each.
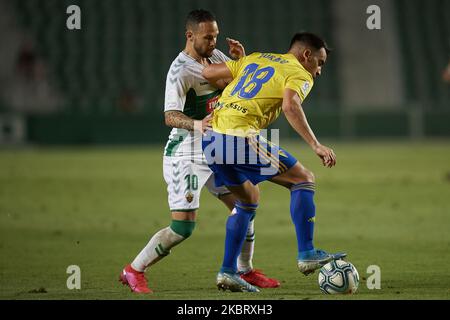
(338, 277)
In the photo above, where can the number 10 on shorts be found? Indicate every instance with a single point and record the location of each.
(191, 182)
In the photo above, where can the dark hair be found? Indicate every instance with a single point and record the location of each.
(198, 16)
(310, 39)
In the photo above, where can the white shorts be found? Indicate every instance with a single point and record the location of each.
(185, 180)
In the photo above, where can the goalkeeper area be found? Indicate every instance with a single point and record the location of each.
(385, 203)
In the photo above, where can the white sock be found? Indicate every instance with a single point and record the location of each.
(245, 258)
(157, 248)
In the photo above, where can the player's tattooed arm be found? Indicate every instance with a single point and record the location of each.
(177, 119)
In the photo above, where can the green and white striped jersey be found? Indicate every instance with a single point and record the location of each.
(187, 91)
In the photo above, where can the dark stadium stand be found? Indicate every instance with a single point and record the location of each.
(126, 46)
(111, 73)
(424, 29)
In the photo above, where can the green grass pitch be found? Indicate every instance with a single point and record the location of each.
(386, 204)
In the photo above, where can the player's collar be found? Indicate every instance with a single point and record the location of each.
(193, 59)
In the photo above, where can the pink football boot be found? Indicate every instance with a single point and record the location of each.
(135, 280)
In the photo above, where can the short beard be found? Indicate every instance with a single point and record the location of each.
(202, 54)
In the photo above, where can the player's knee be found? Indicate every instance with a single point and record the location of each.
(255, 199)
(184, 228)
(304, 175)
(251, 198)
(309, 176)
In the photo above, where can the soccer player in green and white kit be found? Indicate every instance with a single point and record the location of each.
(189, 98)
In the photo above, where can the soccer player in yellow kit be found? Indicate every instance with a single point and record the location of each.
(262, 85)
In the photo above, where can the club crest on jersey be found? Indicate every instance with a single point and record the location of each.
(189, 197)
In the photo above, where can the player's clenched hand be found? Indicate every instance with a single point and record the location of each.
(203, 125)
(237, 50)
(326, 154)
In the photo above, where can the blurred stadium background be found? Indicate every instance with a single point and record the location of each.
(104, 84)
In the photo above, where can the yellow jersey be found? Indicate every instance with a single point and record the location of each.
(252, 101)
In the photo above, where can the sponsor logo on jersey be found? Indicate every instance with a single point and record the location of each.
(235, 106)
(211, 104)
(305, 87)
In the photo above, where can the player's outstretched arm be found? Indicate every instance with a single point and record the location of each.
(293, 111)
(216, 73)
